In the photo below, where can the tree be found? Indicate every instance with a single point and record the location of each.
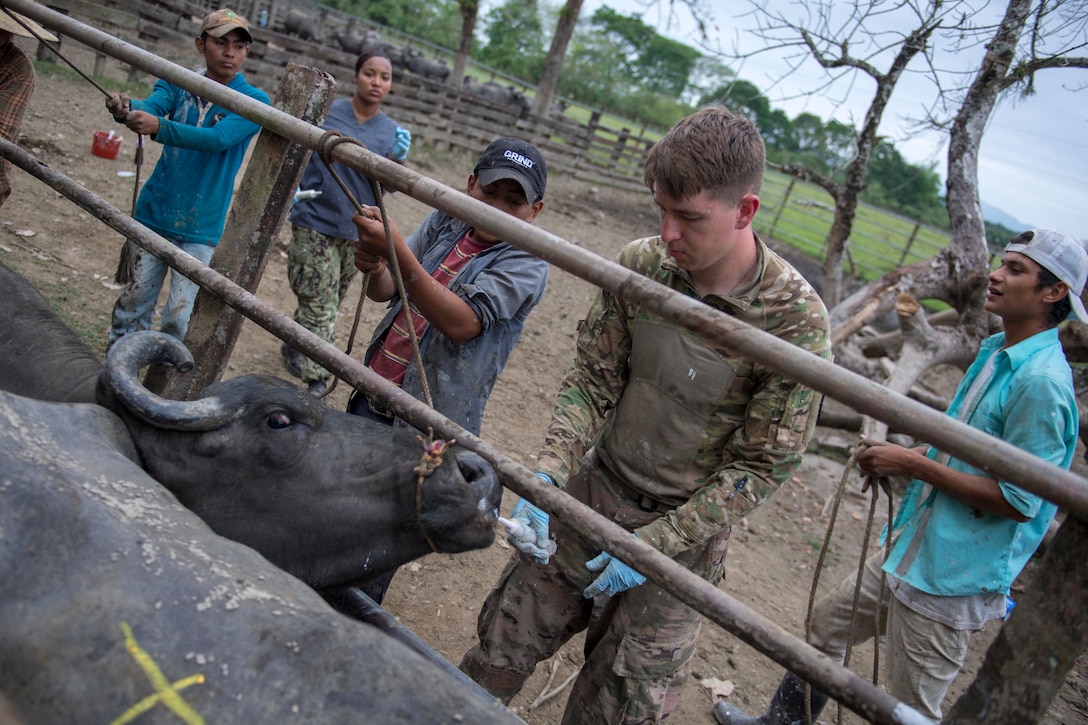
(593, 71)
(468, 9)
(553, 62)
(740, 96)
(510, 29)
(831, 40)
(651, 60)
(901, 186)
(957, 275)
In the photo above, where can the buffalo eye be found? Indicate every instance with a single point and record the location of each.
(279, 420)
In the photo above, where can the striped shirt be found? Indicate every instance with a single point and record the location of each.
(395, 351)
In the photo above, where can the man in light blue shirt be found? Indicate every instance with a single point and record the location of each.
(961, 537)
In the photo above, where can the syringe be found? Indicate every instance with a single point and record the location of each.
(519, 531)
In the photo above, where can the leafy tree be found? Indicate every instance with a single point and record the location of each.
(651, 61)
(708, 72)
(510, 29)
(593, 71)
(902, 187)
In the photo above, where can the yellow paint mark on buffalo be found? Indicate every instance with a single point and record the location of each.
(165, 692)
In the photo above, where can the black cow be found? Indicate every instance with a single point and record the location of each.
(506, 96)
(327, 496)
(420, 65)
(300, 24)
(115, 598)
(357, 43)
(109, 582)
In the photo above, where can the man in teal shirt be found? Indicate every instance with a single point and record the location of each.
(961, 537)
(187, 197)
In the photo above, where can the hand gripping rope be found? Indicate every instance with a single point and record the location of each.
(432, 449)
(876, 484)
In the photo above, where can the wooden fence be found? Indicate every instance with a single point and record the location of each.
(445, 117)
(438, 115)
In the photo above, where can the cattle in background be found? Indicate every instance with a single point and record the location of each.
(506, 96)
(116, 599)
(301, 25)
(356, 43)
(420, 65)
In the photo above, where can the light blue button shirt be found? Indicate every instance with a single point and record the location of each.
(948, 548)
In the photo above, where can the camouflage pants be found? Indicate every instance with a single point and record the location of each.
(319, 269)
(638, 643)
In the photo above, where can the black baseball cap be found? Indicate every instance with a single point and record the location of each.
(513, 158)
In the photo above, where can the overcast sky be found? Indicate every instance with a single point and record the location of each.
(1033, 162)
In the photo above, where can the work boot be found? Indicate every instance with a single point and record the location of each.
(318, 388)
(787, 706)
(292, 359)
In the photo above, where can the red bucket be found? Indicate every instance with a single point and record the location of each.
(106, 144)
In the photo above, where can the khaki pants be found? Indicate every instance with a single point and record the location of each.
(638, 643)
(921, 656)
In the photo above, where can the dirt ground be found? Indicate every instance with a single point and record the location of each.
(71, 256)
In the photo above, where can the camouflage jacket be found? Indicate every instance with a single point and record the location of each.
(751, 434)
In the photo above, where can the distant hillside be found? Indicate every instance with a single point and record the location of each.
(996, 216)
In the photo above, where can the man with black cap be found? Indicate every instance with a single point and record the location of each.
(16, 82)
(961, 537)
(187, 196)
(470, 292)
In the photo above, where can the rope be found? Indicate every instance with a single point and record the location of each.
(428, 464)
(60, 55)
(881, 483)
(126, 264)
(432, 449)
(325, 145)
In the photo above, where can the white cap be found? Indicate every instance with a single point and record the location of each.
(1063, 255)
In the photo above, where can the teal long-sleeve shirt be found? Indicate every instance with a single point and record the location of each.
(187, 196)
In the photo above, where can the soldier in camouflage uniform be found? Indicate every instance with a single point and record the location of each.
(662, 434)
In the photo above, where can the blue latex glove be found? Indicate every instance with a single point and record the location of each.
(617, 577)
(543, 547)
(401, 143)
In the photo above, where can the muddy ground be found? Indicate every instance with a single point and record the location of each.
(71, 256)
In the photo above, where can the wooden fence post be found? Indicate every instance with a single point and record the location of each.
(621, 143)
(781, 206)
(260, 207)
(910, 241)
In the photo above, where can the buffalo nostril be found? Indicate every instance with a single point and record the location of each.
(472, 467)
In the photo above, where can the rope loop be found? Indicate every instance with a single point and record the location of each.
(433, 450)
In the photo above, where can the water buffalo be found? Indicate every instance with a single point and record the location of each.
(426, 67)
(506, 96)
(329, 497)
(107, 577)
(351, 41)
(116, 600)
(300, 24)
